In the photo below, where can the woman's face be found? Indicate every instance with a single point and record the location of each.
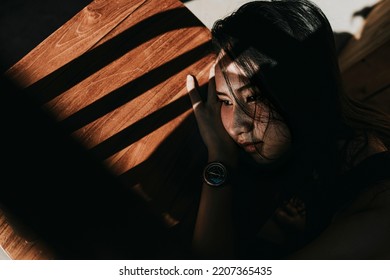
(247, 119)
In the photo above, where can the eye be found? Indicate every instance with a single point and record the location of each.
(252, 98)
(225, 102)
(223, 98)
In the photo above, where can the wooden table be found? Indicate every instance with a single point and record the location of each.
(102, 146)
(365, 60)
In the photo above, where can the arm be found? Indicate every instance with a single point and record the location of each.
(213, 234)
(361, 232)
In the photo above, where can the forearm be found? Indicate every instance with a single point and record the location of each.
(214, 232)
(213, 235)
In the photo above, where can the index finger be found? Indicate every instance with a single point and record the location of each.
(212, 95)
(193, 92)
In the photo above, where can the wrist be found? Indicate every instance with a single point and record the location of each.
(215, 174)
(218, 173)
(228, 159)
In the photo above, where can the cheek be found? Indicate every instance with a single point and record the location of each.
(278, 134)
(277, 140)
(226, 118)
(259, 129)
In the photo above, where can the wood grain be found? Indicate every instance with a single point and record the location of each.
(71, 40)
(369, 79)
(113, 78)
(18, 246)
(365, 60)
(374, 34)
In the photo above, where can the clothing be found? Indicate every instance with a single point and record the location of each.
(321, 208)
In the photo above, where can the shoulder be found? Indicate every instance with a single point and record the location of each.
(361, 147)
(360, 231)
(367, 163)
(372, 178)
(374, 198)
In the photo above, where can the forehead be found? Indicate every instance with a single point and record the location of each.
(226, 65)
(229, 77)
(231, 80)
(226, 68)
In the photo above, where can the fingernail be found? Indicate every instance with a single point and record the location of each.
(212, 71)
(190, 82)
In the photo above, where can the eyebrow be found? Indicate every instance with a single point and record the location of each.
(222, 93)
(246, 86)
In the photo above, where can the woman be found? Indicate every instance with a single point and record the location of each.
(296, 169)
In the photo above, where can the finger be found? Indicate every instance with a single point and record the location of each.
(283, 217)
(193, 92)
(290, 209)
(299, 204)
(212, 95)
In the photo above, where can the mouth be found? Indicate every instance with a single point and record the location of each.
(252, 147)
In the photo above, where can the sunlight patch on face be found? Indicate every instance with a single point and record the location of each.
(246, 119)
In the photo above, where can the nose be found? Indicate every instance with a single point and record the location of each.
(241, 121)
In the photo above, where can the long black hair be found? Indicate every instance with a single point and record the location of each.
(286, 49)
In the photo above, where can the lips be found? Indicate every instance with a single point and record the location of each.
(251, 147)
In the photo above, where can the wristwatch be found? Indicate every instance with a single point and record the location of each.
(215, 174)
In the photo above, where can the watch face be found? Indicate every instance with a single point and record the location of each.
(215, 174)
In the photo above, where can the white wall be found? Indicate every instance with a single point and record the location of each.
(339, 12)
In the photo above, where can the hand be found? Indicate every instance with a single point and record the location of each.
(292, 215)
(208, 116)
